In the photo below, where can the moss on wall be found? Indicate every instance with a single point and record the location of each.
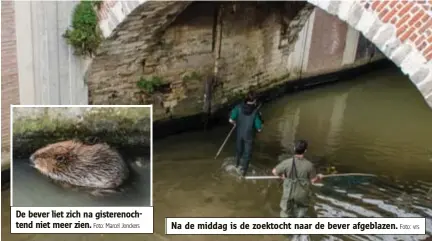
(117, 126)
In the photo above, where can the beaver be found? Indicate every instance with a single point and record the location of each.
(75, 163)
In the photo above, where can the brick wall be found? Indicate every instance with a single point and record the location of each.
(412, 20)
(9, 73)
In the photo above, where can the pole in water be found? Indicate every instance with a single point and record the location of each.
(323, 176)
(262, 177)
(226, 139)
(229, 134)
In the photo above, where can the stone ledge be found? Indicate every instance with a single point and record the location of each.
(120, 127)
(166, 127)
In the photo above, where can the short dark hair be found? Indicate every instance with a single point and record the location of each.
(300, 147)
(251, 96)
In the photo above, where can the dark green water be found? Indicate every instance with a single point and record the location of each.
(377, 123)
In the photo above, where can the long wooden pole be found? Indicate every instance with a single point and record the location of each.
(229, 134)
(226, 139)
(323, 176)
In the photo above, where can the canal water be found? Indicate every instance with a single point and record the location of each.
(376, 123)
(136, 192)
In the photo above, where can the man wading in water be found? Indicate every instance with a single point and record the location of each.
(298, 173)
(248, 120)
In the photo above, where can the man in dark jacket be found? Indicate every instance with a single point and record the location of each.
(248, 120)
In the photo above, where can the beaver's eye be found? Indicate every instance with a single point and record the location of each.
(60, 158)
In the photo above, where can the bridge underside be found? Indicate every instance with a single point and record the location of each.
(196, 46)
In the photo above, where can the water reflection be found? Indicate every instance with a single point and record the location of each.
(377, 124)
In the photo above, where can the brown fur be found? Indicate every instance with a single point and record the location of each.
(74, 163)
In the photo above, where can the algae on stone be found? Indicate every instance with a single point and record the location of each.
(118, 126)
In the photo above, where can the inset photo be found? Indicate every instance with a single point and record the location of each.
(81, 156)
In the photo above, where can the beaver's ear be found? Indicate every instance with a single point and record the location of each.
(61, 158)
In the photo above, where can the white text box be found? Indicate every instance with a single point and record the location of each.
(295, 226)
(81, 219)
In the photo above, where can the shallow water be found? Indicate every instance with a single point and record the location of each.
(136, 194)
(377, 123)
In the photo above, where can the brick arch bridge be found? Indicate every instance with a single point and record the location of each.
(401, 30)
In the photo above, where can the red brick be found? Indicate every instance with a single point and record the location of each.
(402, 21)
(415, 9)
(413, 37)
(399, 5)
(375, 5)
(429, 57)
(381, 6)
(389, 15)
(393, 20)
(392, 4)
(419, 40)
(401, 30)
(425, 18)
(383, 13)
(422, 46)
(406, 8)
(418, 24)
(428, 50)
(426, 25)
(415, 18)
(405, 35)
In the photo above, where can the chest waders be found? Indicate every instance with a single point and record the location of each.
(295, 194)
(245, 137)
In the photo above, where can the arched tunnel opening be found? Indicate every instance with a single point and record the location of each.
(207, 55)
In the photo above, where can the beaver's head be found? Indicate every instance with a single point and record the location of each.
(79, 164)
(54, 158)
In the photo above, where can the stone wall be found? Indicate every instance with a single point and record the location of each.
(210, 54)
(34, 127)
(400, 29)
(9, 74)
(214, 46)
(328, 44)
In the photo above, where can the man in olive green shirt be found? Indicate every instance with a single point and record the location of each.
(298, 173)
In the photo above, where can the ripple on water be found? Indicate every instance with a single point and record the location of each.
(344, 206)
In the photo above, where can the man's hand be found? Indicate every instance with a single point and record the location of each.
(274, 173)
(317, 178)
(259, 130)
(232, 121)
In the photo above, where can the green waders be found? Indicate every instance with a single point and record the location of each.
(245, 137)
(295, 198)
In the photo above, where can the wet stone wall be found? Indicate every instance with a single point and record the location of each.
(119, 127)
